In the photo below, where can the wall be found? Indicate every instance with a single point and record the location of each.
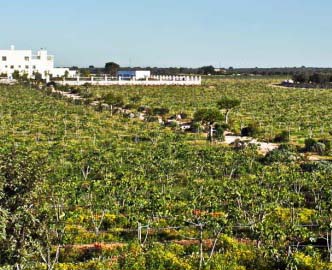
(154, 80)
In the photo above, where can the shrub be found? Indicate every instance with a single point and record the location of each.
(130, 106)
(280, 155)
(319, 148)
(282, 137)
(251, 130)
(196, 127)
(327, 144)
(183, 115)
(152, 119)
(309, 143)
(160, 111)
(219, 132)
(314, 146)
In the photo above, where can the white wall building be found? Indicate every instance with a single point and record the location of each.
(59, 72)
(27, 63)
(134, 74)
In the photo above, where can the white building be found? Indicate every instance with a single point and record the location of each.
(25, 62)
(134, 74)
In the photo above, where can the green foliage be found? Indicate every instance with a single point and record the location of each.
(228, 103)
(16, 75)
(114, 100)
(111, 68)
(105, 175)
(160, 111)
(252, 130)
(282, 137)
(20, 173)
(320, 147)
(219, 132)
(207, 116)
(281, 155)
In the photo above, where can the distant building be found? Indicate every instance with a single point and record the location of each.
(134, 74)
(220, 70)
(25, 62)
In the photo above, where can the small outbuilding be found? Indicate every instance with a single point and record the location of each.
(134, 74)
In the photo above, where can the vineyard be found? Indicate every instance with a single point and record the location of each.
(303, 112)
(86, 187)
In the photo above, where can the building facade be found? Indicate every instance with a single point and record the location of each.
(25, 62)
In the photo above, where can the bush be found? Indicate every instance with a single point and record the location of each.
(160, 111)
(319, 148)
(280, 155)
(327, 144)
(196, 127)
(183, 115)
(251, 130)
(317, 166)
(219, 132)
(130, 106)
(282, 137)
(152, 119)
(309, 143)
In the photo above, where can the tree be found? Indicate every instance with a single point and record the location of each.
(113, 100)
(111, 68)
(208, 117)
(227, 103)
(85, 73)
(206, 70)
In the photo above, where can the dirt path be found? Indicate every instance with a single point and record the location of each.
(264, 147)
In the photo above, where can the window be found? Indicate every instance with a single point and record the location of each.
(6, 66)
(19, 66)
(4, 58)
(26, 67)
(12, 67)
(34, 67)
(26, 58)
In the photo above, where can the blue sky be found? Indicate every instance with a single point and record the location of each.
(192, 33)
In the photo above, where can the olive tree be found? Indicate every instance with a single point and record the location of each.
(208, 117)
(227, 103)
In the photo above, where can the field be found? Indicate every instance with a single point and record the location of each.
(84, 188)
(303, 112)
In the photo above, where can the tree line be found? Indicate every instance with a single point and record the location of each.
(112, 67)
(321, 78)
